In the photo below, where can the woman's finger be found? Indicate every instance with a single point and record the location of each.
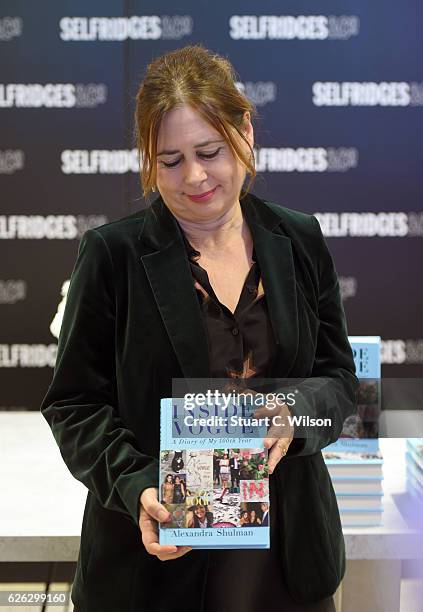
(153, 507)
(150, 537)
(151, 541)
(182, 550)
(278, 451)
(277, 431)
(149, 531)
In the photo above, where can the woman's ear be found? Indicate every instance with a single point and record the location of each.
(248, 128)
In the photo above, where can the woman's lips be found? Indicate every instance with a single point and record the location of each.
(207, 195)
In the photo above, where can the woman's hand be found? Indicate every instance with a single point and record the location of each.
(279, 445)
(152, 512)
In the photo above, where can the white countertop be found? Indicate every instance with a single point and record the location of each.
(41, 504)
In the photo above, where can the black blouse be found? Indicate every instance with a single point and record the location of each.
(241, 344)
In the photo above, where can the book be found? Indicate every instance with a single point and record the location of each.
(361, 518)
(360, 430)
(353, 464)
(414, 470)
(414, 486)
(216, 488)
(360, 502)
(415, 451)
(372, 485)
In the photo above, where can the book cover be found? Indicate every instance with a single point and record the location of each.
(360, 431)
(216, 488)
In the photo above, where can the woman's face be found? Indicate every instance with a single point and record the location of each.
(200, 511)
(201, 161)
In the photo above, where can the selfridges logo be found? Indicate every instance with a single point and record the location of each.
(12, 291)
(137, 27)
(393, 93)
(407, 352)
(79, 161)
(260, 93)
(52, 95)
(371, 224)
(293, 27)
(51, 227)
(10, 27)
(305, 159)
(99, 161)
(11, 160)
(27, 355)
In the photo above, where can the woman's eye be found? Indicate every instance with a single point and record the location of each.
(170, 165)
(203, 155)
(210, 155)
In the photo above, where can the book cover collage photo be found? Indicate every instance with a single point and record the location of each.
(215, 488)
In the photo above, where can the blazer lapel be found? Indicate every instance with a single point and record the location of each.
(169, 274)
(274, 254)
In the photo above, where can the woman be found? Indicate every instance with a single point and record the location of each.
(254, 519)
(216, 468)
(178, 490)
(201, 517)
(167, 490)
(209, 281)
(224, 475)
(244, 520)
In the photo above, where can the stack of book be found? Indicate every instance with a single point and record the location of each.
(414, 463)
(355, 462)
(357, 479)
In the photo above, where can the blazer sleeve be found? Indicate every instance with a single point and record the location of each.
(81, 404)
(331, 390)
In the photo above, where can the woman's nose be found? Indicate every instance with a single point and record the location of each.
(194, 172)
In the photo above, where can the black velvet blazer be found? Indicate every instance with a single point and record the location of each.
(132, 322)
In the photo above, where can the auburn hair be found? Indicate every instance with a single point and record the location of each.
(194, 76)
